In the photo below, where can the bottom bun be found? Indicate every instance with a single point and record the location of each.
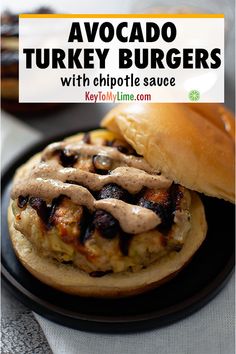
(71, 280)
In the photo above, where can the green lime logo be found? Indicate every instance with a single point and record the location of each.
(194, 95)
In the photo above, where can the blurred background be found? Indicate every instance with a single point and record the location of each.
(24, 124)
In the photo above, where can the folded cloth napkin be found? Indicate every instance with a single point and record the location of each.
(208, 331)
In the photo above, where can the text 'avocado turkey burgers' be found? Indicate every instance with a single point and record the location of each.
(115, 212)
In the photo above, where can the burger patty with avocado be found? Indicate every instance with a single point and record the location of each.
(94, 241)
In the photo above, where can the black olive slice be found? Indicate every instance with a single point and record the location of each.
(106, 224)
(41, 208)
(22, 201)
(66, 159)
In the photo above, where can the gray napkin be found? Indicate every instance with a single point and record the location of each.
(209, 331)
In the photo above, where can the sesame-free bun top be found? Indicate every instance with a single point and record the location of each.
(190, 144)
(217, 114)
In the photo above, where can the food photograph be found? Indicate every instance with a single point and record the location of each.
(117, 218)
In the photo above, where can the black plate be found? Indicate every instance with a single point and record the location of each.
(197, 284)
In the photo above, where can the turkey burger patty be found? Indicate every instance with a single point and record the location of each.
(94, 241)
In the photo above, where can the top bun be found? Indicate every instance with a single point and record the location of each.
(217, 114)
(191, 144)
